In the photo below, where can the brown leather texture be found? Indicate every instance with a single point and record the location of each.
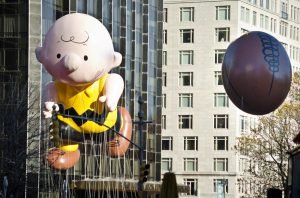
(256, 73)
(62, 160)
(119, 145)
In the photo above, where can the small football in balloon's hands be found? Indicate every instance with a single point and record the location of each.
(257, 73)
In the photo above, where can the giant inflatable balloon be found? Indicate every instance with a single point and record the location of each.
(78, 53)
(257, 73)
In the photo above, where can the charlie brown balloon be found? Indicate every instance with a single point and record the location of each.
(78, 52)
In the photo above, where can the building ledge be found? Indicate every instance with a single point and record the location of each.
(121, 185)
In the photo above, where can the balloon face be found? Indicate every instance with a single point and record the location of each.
(257, 73)
(78, 50)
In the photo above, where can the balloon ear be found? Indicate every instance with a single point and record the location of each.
(39, 54)
(117, 59)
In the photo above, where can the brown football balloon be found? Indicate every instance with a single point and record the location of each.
(62, 160)
(257, 73)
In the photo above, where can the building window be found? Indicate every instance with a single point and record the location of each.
(244, 164)
(193, 186)
(165, 37)
(163, 122)
(254, 18)
(164, 58)
(273, 25)
(223, 12)
(167, 143)
(221, 100)
(219, 56)
(242, 13)
(221, 121)
(165, 15)
(187, 36)
(261, 21)
(261, 3)
(220, 164)
(221, 185)
(186, 57)
(267, 4)
(186, 100)
(284, 10)
(266, 22)
(218, 78)
(185, 121)
(166, 164)
(283, 28)
(190, 164)
(247, 15)
(164, 79)
(222, 34)
(243, 123)
(221, 143)
(187, 14)
(185, 78)
(164, 100)
(191, 143)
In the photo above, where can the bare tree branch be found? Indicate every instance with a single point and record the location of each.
(267, 144)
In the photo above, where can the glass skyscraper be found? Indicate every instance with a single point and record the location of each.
(136, 30)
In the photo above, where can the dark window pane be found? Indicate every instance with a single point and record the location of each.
(221, 145)
(11, 59)
(166, 145)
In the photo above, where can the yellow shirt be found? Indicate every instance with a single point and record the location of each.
(85, 104)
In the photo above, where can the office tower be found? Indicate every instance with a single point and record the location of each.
(199, 122)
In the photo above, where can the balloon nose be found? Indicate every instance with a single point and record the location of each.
(71, 62)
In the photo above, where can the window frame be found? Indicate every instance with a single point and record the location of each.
(244, 124)
(164, 100)
(189, 53)
(224, 163)
(188, 97)
(165, 15)
(169, 143)
(163, 121)
(193, 161)
(169, 162)
(193, 184)
(164, 79)
(219, 118)
(190, 139)
(185, 35)
(226, 9)
(219, 56)
(218, 78)
(185, 120)
(217, 140)
(189, 10)
(221, 97)
(165, 37)
(182, 79)
(215, 181)
(165, 58)
(222, 33)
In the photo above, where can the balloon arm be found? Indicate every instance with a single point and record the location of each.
(113, 89)
(50, 99)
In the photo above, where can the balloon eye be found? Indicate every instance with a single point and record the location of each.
(85, 57)
(58, 55)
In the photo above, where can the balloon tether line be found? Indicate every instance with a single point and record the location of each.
(102, 124)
